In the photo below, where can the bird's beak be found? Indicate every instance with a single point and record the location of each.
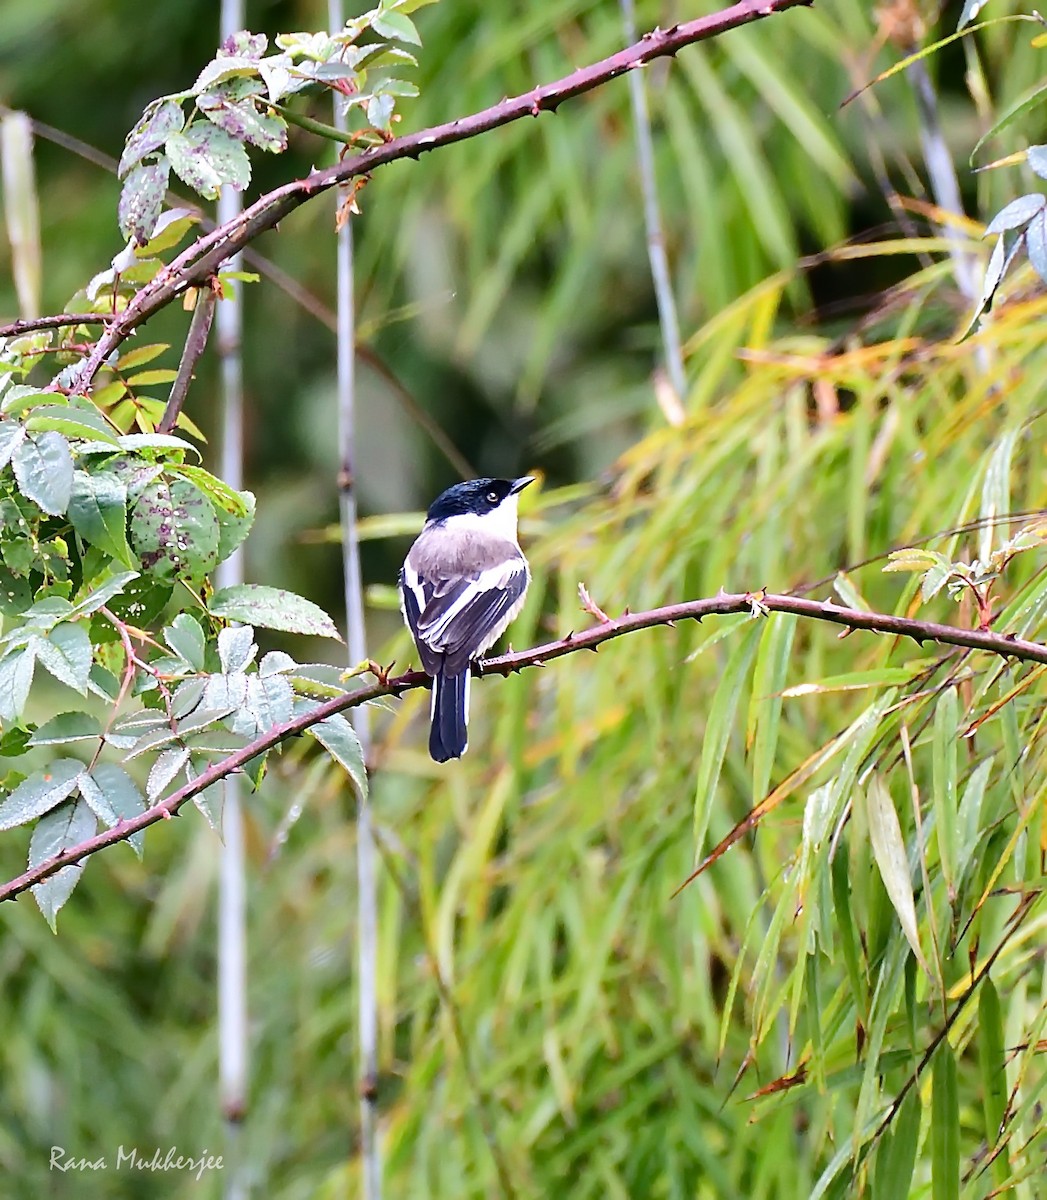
(520, 484)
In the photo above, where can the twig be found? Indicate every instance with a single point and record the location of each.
(203, 258)
(56, 321)
(506, 664)
(663, 287)
(196, 340)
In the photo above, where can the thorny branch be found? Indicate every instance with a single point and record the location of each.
(195, 342)
(204, 257)
(757, 603)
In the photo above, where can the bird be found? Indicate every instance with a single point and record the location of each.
(463, 581)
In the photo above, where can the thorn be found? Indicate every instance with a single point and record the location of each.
(671, 624)
(568, 637)
(592, 648)
(590, 605)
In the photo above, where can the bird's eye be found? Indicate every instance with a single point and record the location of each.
(492, 497)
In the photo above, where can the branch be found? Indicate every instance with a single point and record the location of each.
(196, 340)
(58, 321)
(1005, 645)
(204, 257)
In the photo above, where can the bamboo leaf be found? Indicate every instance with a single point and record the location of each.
(946, 721)
(892, 859)
(992, 1066)
(719, 725)
(945, 1125)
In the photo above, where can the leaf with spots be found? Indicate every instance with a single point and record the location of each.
(232, 106)
(156, 124)
(205, 157)
(142, 201)
(174, 530)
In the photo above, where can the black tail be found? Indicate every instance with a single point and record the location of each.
(448, 735)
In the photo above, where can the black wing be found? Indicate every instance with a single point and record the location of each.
(455, 620)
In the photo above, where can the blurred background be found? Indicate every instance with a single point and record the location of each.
(538, 989)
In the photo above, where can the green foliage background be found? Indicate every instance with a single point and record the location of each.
(546, 1006)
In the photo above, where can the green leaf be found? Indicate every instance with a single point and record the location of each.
(765, 708)
(16, 678)
(12, 435)
(174, 530)
(98, 512)
(141, 355)
(889, 851)
(142, 200)
(1016, 214)
(396, 26)
(719, 724)
(103, 593)
(205, 157)
(66, 728)
(946, 720)
(43, 467)
(121, 793)
(14, 741)
(233, 529)
(170, 229)
(945, 1125)
(992, 1066)
(1018, 109)
(15, 593)
(272, 608)
(269, 701)
(186, 639)
(68, 826)
(157, 375)
(66, 654)
(165, 770)
(969, 818)
(896, 1154)
(73, 422)
(236, 649)
(41, 792)
(222, 68)
(339, 739)
(996, 491)
(160, 119)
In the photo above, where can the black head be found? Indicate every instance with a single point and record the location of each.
(475, 496)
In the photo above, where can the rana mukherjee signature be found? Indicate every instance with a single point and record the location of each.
(130, 1158)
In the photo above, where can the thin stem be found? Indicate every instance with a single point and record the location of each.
(663, 287)
(356, 637)
(233, 1051)
(1003, 644)
(203, 258)
(195, 342)
(57, 321)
